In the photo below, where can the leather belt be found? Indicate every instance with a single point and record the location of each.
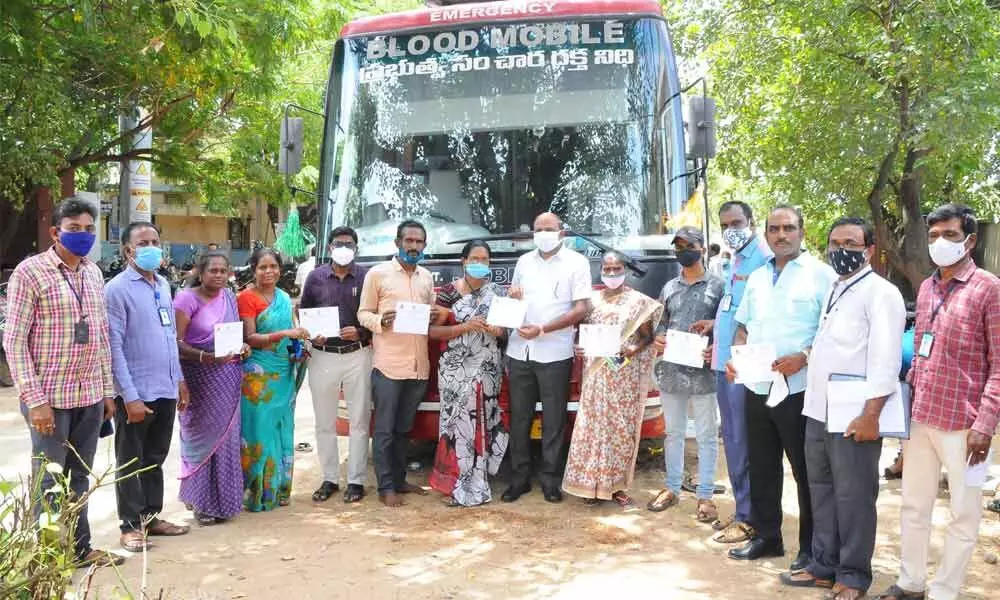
(346, 348)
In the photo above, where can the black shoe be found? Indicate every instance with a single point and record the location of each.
(757, 548)
(803, 560)
(514, 492)
(552, 495)
(354, 493)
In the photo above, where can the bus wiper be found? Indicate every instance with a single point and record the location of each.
(630, 263)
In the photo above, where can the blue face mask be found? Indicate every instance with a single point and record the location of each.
(148, 258)
(477, 270)
(410, 260)
(77, 242)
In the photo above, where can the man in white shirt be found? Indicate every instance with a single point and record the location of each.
(860, 335)
(555, 282)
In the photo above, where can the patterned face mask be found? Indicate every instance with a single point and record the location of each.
(845, 261)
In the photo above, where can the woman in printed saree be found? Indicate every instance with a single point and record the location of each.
(211, 477)
(269, 386)
(605, 440)
(473, 440)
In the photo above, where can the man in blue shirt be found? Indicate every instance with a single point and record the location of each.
(148, 382)
(781, 307)
(749, 252)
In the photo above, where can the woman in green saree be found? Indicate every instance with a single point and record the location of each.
(269, 386)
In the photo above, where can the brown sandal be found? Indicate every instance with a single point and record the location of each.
(166, 528)
(845, 593)
(664, 500)
(134, 541)
(894, 592)
(736, 532)
(100, 558)
(708, 512)
(804, 579)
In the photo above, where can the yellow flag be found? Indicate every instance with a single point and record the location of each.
(692, 213)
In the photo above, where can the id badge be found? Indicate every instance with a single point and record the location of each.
(164, 317)
(726, 303)
(926, 343)
(81, 332)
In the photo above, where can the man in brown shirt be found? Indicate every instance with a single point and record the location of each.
(400, 363)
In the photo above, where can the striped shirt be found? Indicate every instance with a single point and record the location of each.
(958, 386)
(43, 309)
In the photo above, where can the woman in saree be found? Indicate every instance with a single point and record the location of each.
(211, 478)
(605, 440)
(269, 386)
(472, 439)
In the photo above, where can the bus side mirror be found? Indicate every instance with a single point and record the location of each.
(292, 145)
(699, 127)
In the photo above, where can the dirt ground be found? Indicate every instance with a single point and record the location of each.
(530, 549)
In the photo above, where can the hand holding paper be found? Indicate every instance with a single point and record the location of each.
(600, 340)
(507, 312)
(752, 363)
(228, 338)
(412, 318)
(684, 348)
(324, 321)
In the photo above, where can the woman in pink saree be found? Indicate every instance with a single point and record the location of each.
(211, 476)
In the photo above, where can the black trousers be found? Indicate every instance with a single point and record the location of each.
(843, 481)
(532, 382)
(145, 445)
(396, 402)
(79, 428)
(773, 433)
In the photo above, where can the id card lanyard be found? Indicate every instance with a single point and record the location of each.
(927, 339)
(164, 313)
(81, 329)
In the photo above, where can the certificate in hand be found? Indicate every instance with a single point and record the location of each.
(685, 348)
(507, 312)
(600, 340)
(324, 321)
(228, 338)
(753, 363)
(412, 318)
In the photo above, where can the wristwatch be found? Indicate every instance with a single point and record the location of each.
(805, 353)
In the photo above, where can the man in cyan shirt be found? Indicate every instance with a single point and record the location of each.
(781, 307)
(956, 405)
(749, 252)
(401, 366)
(148, 381)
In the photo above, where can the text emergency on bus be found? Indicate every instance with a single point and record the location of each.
(475, 118)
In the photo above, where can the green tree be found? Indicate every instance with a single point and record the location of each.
(881, 108)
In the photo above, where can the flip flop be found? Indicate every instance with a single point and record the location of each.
(663, 500)
(303, 447)
(804, 579)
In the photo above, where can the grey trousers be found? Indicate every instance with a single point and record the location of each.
(548, 383)
(843, 483)
(79, 428)
(396, 402)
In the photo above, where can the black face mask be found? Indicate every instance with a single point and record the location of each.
(688, 257)
(845, 262)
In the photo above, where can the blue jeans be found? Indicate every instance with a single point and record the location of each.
(675, 411)
(732, 407)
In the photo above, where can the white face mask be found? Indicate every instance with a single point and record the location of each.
(736, 239)
(945, 253)
(342, 256)
(547, 241)
(613, 282)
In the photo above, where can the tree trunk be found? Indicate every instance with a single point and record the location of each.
(916, 264)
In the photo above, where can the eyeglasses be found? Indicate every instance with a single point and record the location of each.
(351, 245)
(847, 246)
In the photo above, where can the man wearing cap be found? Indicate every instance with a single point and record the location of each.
(691, 297)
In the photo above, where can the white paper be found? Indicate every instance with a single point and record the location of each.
(324, 321)
(507, 312)
(753, 363)
(779, 390)
(975, 475)
(600, 340)
(412, 318)
(685, 348)
(845, 401)
(228, 338)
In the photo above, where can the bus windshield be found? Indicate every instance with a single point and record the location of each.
(475, 131)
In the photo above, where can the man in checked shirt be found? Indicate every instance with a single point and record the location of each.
(956, 405)
(57, 345)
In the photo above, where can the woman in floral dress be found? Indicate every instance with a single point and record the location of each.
(472, 441)
(605, 440)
